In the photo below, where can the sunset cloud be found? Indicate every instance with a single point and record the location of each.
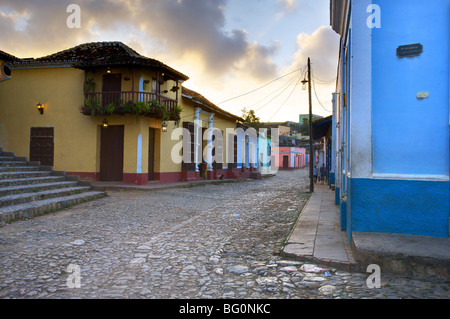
(179, 28)
(221, 55)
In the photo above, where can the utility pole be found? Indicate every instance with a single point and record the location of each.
(311, 150)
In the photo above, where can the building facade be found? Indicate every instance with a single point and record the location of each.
(289, 157)
(391, 116)
(106, 113)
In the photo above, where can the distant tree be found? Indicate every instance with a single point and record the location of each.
(250, 118)
(304, 129)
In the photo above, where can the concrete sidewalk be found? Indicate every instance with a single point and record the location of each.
(317, 237)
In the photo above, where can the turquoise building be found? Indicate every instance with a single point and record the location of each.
(391, 116)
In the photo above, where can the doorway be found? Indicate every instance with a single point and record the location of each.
(42, 145)
(111, 153)
(285, 161)
(111, 87)
(151, 154)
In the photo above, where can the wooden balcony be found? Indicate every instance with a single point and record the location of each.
(131, 102)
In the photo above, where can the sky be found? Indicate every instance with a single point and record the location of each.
(237, 53)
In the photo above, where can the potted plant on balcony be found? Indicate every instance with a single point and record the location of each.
(89, 85)
(175, 114)
(91, 108)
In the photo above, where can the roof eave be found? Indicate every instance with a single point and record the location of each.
(338, 10)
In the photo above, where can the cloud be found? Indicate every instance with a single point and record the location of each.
(179, 28)
(288, 5)
(196, 27)
(322, 46)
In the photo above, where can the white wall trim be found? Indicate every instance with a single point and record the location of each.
(361, 92)
(411, 177)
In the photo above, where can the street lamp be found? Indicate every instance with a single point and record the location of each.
(304, 82)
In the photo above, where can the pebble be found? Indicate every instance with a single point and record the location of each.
(182, 243)
(237, 269)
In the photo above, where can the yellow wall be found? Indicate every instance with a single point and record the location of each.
(77, 136)
(61, 92)
(219, 122)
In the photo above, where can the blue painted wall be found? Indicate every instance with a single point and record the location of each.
(404, 186)
(400, 206)
(410, 136)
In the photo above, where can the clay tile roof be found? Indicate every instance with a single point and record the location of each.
(200, 99)
(7, 57)
(98, 54)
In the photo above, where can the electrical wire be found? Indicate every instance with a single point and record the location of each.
(281, 92)
(259, 88)
(324, 82)
(277, 90)
(279, 108)
(315, 92)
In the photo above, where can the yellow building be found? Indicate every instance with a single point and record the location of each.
(105, 113)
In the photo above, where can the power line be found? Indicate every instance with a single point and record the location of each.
(324, 82)
(299, 79)
(257, 89)
(277, 90)
(281, 92)
(315, 93)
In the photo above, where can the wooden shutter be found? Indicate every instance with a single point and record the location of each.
(219, 146)
(190, 166)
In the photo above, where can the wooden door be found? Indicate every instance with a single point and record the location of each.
(111, 153)
(217, 151)
(111, 87)
(42, 145)
(285, 161)
(151, 154)
(191, 150)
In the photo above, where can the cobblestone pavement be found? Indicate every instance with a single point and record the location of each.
(210, 241)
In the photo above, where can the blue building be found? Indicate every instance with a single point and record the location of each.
(391, 116)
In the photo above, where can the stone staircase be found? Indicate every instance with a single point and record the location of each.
(28, 189)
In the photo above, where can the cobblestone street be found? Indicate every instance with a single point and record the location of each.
(209, 241)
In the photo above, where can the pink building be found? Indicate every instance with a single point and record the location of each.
(289, 157)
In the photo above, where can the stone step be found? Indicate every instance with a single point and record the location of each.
(41, 207)
(40, 195)
(6, 158)
(18, 168)
(31, 181)
(10, 154)
(30, 188)
(13, 163)
(18, 175)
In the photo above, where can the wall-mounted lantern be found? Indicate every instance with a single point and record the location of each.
(40, 108)
(105, 123)
(164, 126)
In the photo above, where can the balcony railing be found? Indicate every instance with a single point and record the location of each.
(145, 103)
